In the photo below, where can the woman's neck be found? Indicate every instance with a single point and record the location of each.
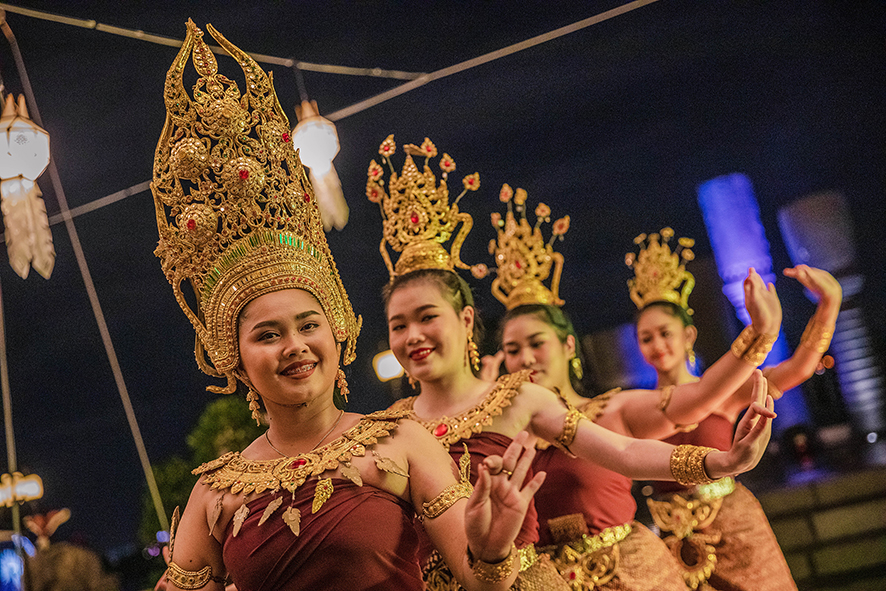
(449, 394)
(676, 376)
(298, 428)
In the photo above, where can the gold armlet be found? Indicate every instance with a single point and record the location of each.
(752, 346)
(493, 572)
(687, 464)
(817, 336)
(452, 493)
(570, 428)
(190, 579)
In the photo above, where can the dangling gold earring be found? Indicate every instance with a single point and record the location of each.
(473, 353)
(690, 353)
(412, 381)
(252, 399)
(342, 384)
(575, 362)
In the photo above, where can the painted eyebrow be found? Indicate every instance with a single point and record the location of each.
(301, 316)
(529, 338)
(418, 310)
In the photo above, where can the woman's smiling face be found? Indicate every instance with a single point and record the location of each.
(287, 349)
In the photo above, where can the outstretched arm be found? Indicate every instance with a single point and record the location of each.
(646, 459)
(646, 414)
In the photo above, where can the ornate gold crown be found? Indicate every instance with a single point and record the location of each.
(523, 258)
(416, 213)
(660, 273)
(236, 214)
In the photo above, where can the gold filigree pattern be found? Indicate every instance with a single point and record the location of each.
(659, 274)
(687, 464)
(449, 430)
(417, 215)
(589, 562)
(452, 493)
(523, 258)
(235, 211)
(752, 346)
(238, 475)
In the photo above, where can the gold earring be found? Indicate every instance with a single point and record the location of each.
(252, 399)
(342, 384)
(690, 353)
(412, 381)
(575, 362)
(473, 353)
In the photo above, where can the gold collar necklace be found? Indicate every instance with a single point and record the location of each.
(322, 439)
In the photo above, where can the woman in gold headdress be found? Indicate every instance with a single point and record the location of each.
(719, 532)
(586, 512)
(431, 321)
(300, 507)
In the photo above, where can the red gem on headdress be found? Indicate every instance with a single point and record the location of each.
(244, 174)
(414, 218)
(441, 430)
(285, 137)
(572, 576)
(518, 265)
(298, 463)
(191, 224)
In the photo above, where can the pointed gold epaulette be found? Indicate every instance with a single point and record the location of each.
(594, 407)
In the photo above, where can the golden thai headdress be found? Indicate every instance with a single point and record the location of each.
(659, 274)
(236, 213)
(416, 213)
(524, 259)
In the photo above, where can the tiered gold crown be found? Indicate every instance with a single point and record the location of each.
(659, 273)
(523, 258)
(416, 213)
(236, 214)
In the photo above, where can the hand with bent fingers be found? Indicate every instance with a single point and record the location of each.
(496, 510)
(753, 431)
(820, 283)
(762, 304)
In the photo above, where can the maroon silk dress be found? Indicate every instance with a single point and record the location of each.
(577, 502)
(748, 557)
(362, 539)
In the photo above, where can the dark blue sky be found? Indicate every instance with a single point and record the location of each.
(615, 125)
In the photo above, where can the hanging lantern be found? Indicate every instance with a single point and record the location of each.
(24, 155)
(24, 146)
(317, 142)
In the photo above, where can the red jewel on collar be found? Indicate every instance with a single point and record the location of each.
(441, 430)
(298, 463)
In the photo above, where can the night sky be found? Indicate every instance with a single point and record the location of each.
(615, 125)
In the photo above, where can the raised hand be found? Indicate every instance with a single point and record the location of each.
(496, 510)
(820, 283)
(490, 366)
(762, 304)
(753, 431)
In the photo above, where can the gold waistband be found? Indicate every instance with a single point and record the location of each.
(716, 490)
(588, 544)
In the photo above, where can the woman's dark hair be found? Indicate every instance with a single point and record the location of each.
(559, 321)
(454, 289)
(671, 309)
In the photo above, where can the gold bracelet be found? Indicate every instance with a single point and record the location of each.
(817, 336)
(687, 464)
(496, 572)
(570, 428)
(190, 579)
(752, 346)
